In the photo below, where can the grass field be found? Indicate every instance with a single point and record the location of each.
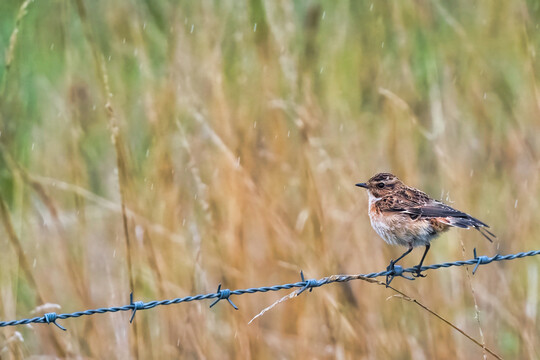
(167, 147)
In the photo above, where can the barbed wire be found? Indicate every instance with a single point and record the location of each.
(225, 294)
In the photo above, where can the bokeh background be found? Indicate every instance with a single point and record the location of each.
(169, 146)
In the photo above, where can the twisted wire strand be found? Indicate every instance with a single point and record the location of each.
(224, 294)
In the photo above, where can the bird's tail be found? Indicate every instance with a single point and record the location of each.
(468, 222)
(488, 234)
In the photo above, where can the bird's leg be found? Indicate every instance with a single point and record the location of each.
(392, 262)
(418, 267)
(390, 267)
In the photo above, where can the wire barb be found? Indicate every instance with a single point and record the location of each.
(303, 285)
(137, 305)
(51, 318)
(396, 270)
(481, 260)
(310, 284)
(223, 294)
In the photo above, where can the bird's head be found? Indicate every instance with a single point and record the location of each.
(381, 184)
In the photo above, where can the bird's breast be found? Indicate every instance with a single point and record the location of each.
(399, 229)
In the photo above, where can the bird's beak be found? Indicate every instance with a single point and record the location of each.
(364, 185)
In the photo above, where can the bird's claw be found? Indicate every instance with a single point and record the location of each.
(418, 272)
(393, 271)
(396, 270)
(391, 268)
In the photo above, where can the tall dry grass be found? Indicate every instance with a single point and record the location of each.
(168, 147)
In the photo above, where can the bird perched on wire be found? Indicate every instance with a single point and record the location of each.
(406, 216)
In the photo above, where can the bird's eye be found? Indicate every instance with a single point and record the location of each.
(380, 185)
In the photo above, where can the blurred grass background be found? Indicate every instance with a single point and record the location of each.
(239, 130)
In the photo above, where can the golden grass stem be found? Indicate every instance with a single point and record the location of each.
(118, 144)
(476, 309)
(406, 297)
(447, 322)
(401, 295)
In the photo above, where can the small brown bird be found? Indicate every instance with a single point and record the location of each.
(406, 216)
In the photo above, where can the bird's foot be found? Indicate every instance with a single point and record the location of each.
(391, 266)
(418, 272)
(392, 270)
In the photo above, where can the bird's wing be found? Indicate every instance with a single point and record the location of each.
(403, 201)
(418, 205)
(435, 209)
(443, 213)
